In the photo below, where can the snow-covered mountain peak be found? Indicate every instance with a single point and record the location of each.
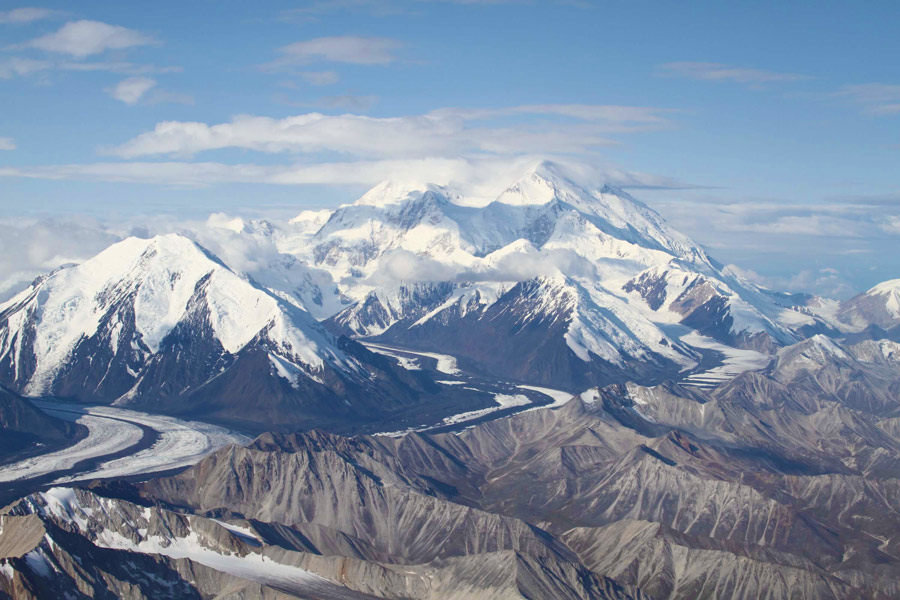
(392, 192)
(879, 306)
(556, 282)
(812, 353)
(310, 221)
(541, 184)
(890, 293)
(892, 285)
(240, 225)
(132, 296)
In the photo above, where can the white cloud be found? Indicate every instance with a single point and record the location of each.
(399, 266)
(827, 281)
(33, 246)
(319, 77)
(479, 178)
(710, 71)
(876, 99)
(402, 266)
(444, 132)
(85, 38)
(845, 219)
(21, 66)
(892, 224)
(132, 89)
(7, 143)
(124, 68)
(20, 16)
(339, 49)
(312, 11)
(610, 113)
(189, 174)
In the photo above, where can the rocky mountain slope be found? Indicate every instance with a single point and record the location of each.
(433, 270)
(780, 483)
(553, 282)
(164, 325)
(875, 313)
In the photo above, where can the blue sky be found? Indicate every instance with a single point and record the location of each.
(768, 131)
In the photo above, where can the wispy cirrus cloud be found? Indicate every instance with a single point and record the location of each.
(85, 38)
(21, 67)
(479, 173)
(877, 99)
(18, 66)
(443, 132)
(610, 113)
(792, 242)
(25, 15)
(346, 49)
(827, 281)
(319, 78)
(312, 12)
(840, 224)
(120, 67)
(67, 48)
(350, 102)
(710, 71)
(7, 143)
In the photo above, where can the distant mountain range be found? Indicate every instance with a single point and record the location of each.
(551, 282)
(571, 399)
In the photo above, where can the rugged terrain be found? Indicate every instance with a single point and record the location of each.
(552, 282)
(781, 483)
(161, 324)
(570, 400)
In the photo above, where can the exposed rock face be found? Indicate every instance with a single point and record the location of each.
(775, 482)
(611, 272)
(779, 484)
(92, 546)
(544, 331)
(554, 281)
(161, 324)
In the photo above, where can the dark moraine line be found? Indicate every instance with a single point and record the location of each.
(484, 385)
(538, 400)
(13, 490)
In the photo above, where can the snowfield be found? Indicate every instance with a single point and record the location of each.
(63, 503)
(252, 566)
(503, 401)
(445, 363)
(410, 364)
(559, 397)
(112, 430)
(734, 361)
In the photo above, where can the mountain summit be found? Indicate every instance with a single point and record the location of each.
(557, 280)
(162, 323)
